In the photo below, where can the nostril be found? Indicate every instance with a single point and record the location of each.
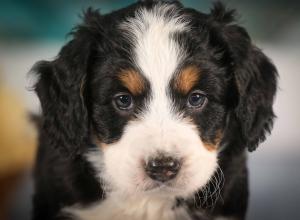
(163, 168)
(154, 164)
(172, 164)
(163, 163)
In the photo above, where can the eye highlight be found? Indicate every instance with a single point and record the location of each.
(196, 99)
(123, 101)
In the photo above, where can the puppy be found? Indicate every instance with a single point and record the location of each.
(148, 113)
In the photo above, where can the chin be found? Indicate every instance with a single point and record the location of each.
(148, 113)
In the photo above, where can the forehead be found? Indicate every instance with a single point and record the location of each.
(159, 42)
(151, 34)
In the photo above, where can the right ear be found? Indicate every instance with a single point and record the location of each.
(61, 89)
(254, 79)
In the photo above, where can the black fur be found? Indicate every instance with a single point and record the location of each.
(76, 89)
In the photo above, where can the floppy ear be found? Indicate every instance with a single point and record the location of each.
(255, 79)
(61, 90)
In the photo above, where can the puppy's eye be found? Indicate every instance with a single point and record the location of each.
(123, 101)
(197, 99)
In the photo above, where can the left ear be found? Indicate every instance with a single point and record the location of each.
(61, 89)
(255, 79)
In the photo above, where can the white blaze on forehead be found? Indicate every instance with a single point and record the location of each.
(156, 53)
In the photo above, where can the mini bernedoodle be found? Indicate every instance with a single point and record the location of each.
(147, 115)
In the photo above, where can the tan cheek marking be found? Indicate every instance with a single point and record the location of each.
(186, 79)
(216, 142)
(210, 147)
(133, 81)
(99, 143)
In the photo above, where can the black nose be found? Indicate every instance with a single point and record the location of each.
(162, 169)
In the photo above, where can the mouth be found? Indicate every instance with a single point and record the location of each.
(162, 188)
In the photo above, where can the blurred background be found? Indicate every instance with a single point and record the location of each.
(33, 30)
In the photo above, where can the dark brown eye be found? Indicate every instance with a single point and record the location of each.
(123, 101)
(196, 99)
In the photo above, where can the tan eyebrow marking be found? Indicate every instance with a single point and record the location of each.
(186, 79)
(132, 80)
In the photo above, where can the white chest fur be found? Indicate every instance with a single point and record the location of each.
(146, 208)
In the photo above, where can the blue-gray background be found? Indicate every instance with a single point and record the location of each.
(31, 30)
